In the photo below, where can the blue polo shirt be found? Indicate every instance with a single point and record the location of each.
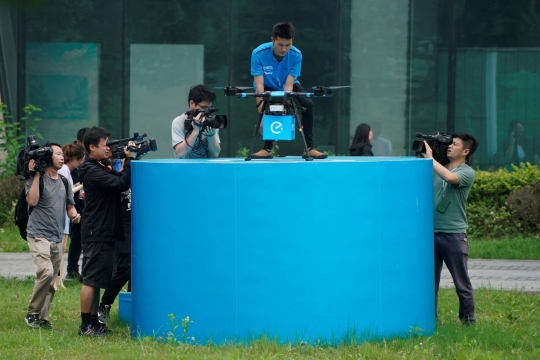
(263, 63)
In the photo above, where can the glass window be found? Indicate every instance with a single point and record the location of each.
(73, 67)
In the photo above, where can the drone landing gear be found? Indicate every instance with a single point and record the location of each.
(300, 127)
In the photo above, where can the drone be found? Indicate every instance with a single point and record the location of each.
(318, 91)
(279, 110)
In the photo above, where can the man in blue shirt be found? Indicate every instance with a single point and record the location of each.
(276, 66)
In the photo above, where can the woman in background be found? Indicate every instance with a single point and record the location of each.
(73, 157)
(361, 144)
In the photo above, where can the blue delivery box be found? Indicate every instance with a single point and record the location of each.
(278, 127)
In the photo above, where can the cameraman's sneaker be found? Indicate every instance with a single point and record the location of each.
(45, 324)
(89, 330)
(33, 320)
(103, 329)
(104, 311)
(262, 154)
(314, 154)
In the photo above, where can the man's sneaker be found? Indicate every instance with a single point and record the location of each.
(104, 311)
(89, 330)
(468, 321)
(74, 276)
(103, 329)
(45, 324)
(262, 154)
(32, 320)
(314, 153)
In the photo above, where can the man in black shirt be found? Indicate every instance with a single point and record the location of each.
(101, 223)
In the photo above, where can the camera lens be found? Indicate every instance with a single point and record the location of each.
(216, 121)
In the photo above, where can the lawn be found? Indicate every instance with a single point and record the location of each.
(516, 247)
(507, 329)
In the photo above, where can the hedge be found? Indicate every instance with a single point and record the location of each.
(488, 213)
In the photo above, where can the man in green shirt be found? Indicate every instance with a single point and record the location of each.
(451, 186)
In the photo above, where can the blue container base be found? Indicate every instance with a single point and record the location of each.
(307, 251)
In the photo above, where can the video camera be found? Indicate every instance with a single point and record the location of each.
(206, 120)
(141, 146)
(438, 143)
(42, 158)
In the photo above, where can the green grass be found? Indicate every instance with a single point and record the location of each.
(507, 329)
(10, 240)
(518, 248)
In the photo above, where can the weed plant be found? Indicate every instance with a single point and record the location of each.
(507, 329)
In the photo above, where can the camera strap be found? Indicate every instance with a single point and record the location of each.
(444, 202)
(106, 164)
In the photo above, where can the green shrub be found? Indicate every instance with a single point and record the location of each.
(487, 210)
(10, 187)
(12, 138)
(525, 202)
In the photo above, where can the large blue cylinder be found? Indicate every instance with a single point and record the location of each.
(304, 251)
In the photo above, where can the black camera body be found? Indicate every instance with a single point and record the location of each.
(438, 143)
(206, 120)
(141, 146)
(41, 156)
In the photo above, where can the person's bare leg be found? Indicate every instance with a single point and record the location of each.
(59, 280)
(87, 299)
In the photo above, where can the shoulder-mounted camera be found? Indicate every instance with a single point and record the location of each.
(141, 146)
(438, 143)
(41, 156)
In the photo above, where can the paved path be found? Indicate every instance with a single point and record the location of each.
(523, 275)
(19, 265)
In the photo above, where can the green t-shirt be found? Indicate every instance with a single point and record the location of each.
(454, 219)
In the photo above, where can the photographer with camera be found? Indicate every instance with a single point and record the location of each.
(101, 222)
(197, 140)
(48, 199)
(451, 186)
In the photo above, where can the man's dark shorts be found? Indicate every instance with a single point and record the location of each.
(98, 263)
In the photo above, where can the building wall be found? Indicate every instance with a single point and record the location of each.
(91, 68)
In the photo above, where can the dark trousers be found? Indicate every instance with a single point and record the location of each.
(453, 249)
(75, 248)
(122, 272)
(307, 117)
(121, 276)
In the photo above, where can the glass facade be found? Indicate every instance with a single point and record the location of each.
(415, 66)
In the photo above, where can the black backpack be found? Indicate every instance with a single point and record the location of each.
(23, 211)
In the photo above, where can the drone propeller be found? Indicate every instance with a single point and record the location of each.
(234, 90)
(233, 87)
(329, 87)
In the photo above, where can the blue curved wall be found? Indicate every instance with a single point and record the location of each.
(306, 251)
